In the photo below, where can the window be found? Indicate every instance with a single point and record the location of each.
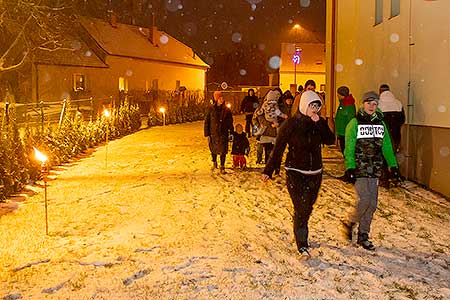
(79, 82)
(123, 84)
(395, 8)
(378, 11)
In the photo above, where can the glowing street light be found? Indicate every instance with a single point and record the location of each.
(107, 115)
(163, 111)
(42, 158)
(229, 105)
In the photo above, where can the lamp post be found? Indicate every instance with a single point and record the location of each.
(163, 111)
(296, 56)
(42, 158)
(107, 115)
(296, 60)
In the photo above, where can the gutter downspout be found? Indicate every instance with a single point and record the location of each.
(410, 104)
(332, 96)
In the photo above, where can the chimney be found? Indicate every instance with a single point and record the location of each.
(153, 31)
(113, 20)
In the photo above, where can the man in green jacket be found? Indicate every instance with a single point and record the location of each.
(367, 141)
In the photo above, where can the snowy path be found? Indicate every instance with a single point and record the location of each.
(156, 224)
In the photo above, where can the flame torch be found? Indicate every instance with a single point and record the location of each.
(163, 111)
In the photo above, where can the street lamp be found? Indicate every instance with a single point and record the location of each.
(163, 111)
(229, 105)
(42, 158)
(107, 115)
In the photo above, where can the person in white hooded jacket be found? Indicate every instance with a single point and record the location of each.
(394, 115)
(304, 133)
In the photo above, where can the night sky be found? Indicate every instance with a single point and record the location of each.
(211, 26)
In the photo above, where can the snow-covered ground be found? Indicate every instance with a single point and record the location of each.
(157, 224)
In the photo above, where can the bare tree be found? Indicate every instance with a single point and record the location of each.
(30, 25)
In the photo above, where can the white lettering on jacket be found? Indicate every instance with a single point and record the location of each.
(370, 131)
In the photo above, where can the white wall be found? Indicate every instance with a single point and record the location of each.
(368, 55)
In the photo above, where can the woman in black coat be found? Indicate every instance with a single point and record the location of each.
(305, 133)
(217, 128)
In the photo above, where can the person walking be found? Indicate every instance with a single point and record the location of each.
(366, 143)
(217, 128)
(248, 106)
(394, 115)
(304, 134)
(345, 112)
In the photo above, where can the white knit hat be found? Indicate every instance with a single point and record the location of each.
(306, 98)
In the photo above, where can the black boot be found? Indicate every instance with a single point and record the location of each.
(363, 240)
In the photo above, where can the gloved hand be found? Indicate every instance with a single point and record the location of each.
(395, 174)
(230, 137)
(246, 151)
(350, 176)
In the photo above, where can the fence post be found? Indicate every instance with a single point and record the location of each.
(92, 108)
(63, 111)
(41, 106)
(7, 112)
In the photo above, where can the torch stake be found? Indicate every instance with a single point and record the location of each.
(45, 198)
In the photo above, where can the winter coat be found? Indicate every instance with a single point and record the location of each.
(345, 112)
(394, 115)
(249, 104)
(366, 143)
(241, 145)
(305, 138)
(218, 126)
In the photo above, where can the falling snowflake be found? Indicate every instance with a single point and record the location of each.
(243, 72)
(88, 53)
(164, 39)
(305, 3)
(358, 61)
(442, 109)
(236, 37)
(444, 151)
(129, 73)
(339, 68)
(275, 62)
(394, 38)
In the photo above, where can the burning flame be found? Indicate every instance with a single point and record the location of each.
(106, 113)
(162, 110)
(40, 156)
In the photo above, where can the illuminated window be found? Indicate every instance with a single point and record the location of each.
(395, 8)
(123, 84)
(79, 82)
(378, 11)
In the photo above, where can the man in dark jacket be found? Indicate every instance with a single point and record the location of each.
(217, 128)
(248, 106)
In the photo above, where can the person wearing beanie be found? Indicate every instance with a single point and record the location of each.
(304, 134)
(367, 144)
(217, 128)
(345, 112)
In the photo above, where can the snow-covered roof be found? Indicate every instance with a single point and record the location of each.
(133, 41)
